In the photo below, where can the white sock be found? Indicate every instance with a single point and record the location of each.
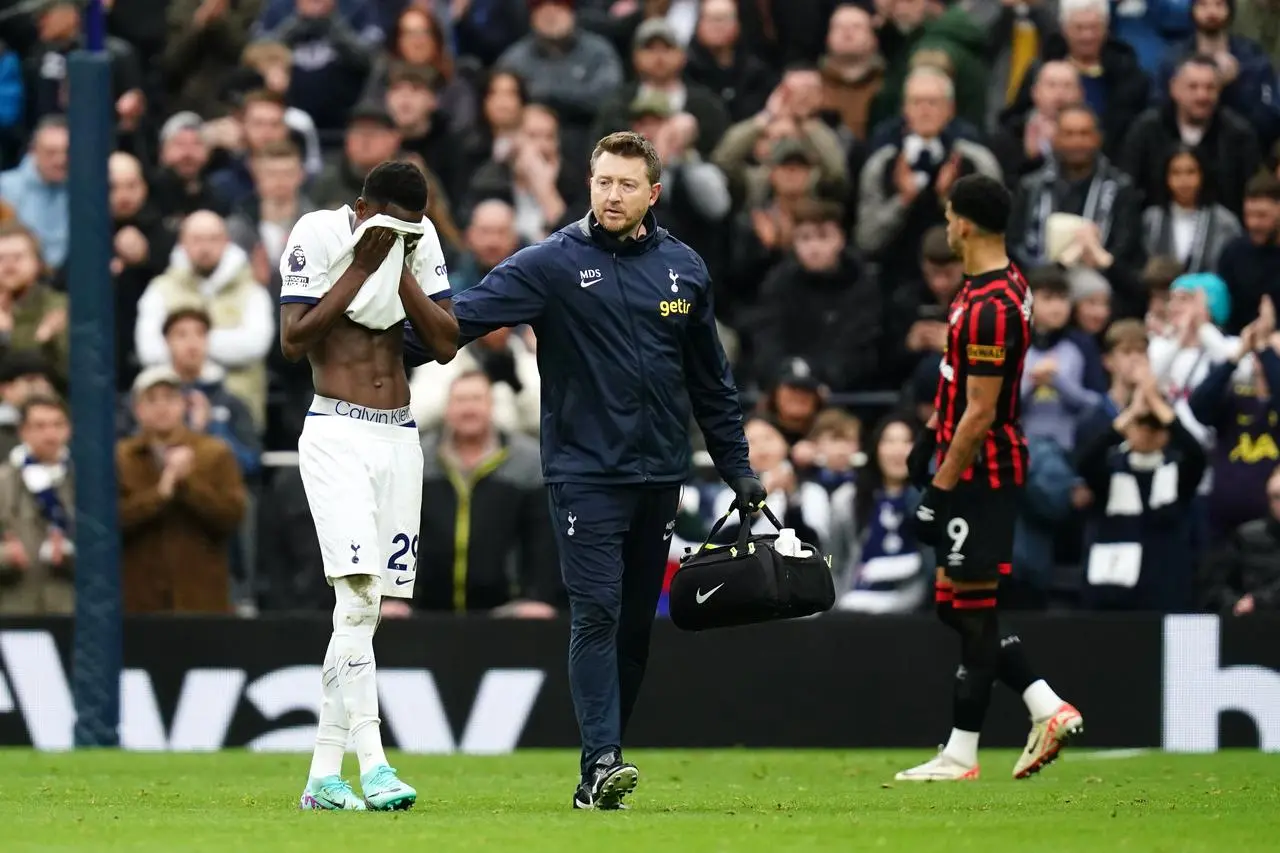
(1040, 699)
(354, 621)
(331, 733)
(963, 747)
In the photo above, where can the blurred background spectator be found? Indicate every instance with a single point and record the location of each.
(32, 314)
(37, 504)
(475, 472)
(36, 189)
(181, 499)
(210, 272)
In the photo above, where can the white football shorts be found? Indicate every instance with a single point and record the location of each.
(362, 471)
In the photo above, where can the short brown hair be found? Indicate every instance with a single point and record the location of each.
(263, 96)
(1159, 273)
(189, 313)
(425, 77)
(40, 401)
(1050, 279)
(17, 229)
(632, 146)
(1263, 185)
(813, 211)
(1126, 333)
(936, 59)
(470, 373)
(934, 247)
(838, 423)
(260, 53)
(278, 151)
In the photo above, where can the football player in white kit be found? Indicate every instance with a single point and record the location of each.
(349, 279)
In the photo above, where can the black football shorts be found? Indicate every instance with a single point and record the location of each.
(978, 537)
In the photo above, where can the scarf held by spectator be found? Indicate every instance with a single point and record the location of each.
(1116, 556)
(42, 482)
(1099, 202)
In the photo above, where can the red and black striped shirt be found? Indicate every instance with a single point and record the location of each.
(987, 335)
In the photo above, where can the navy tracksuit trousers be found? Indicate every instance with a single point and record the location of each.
(614, 542)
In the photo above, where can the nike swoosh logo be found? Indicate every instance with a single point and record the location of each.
(701, 597)
(588, 283)
(403, 581)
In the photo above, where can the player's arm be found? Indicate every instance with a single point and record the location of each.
(432, 322)
(303, 324)
(431, 331)
(512, 294)
(990, 344)
(979, 413)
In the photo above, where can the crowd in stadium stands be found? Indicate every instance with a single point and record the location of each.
(807, 148)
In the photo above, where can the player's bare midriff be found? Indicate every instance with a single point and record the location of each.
(361, 366)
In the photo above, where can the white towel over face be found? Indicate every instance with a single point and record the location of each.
(319, 251)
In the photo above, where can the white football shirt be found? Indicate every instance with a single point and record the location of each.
(317, 241)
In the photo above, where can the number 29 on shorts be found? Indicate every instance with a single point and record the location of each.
(402, 545)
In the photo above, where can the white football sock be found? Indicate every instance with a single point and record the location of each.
(354, 621)
(1040, 699)
(331, 733)
(963, 747)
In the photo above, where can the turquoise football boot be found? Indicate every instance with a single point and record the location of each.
(330, 793)
(384, 792)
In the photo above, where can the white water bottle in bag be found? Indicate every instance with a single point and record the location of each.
(787, 544)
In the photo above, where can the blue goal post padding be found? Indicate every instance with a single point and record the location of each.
(97, 646)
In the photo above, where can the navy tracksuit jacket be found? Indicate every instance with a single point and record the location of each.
(628, 352)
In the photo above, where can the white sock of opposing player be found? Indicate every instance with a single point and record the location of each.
(963, 747)
(1040, 699)
(331, 733)
(354, 621)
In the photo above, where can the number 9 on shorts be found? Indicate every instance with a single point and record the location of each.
(978, 537)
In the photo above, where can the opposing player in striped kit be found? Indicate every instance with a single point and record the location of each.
(349, 279)
(970, 507)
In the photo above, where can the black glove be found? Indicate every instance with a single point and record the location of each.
(932, 515)
(750, 493)
(922, 451)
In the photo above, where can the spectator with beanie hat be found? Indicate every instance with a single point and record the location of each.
(659, 60)
(211, 409)
(1198, 305)
(795, 399)
(1090, 301)
(181, 500)
(1237, 400)
(371, 138)
(1090, 295)
(23, 374)
(181, 187)
(1054, 396)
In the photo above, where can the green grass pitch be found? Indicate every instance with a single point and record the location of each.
(731, 800)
